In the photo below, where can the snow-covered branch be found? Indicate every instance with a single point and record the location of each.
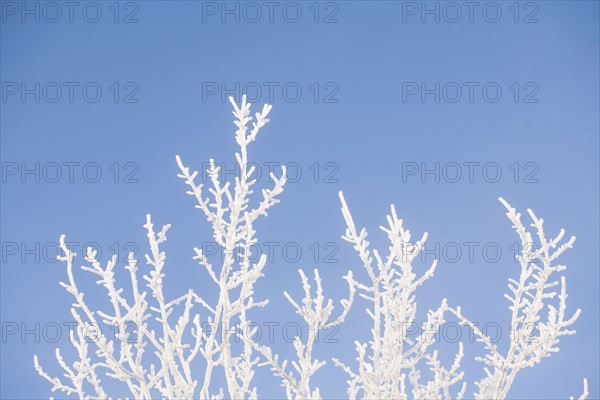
(391, 355)
(532, 337)
(317, 314)
(232, 221)
(125, 363)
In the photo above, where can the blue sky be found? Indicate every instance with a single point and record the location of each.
(367, 97)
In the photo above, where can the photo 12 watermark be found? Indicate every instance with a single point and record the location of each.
(69, 172)
(253, 12)
(470, 12)
(291, 252)
(453, 172)
(317, 172)
(36, 252)
(489, 92)
(271, 91)
(70, 12)
(70, 92)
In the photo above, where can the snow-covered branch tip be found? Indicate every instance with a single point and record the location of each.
(225, 202)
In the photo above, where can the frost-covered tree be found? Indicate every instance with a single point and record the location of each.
(159, 359)
(232, 219)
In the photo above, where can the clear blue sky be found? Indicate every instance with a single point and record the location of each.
(354, 87)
